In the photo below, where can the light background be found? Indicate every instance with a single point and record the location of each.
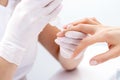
(108, 13)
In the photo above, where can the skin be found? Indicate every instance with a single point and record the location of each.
(96, 33)
(7, 69)
(4, 2)
(49, 33)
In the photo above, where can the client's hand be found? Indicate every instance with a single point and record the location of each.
(98, 33)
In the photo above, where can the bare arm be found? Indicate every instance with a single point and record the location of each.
(4, 2)
(46, 38)
(7, 70)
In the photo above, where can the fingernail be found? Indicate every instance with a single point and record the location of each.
(65, 26)
(93, 62)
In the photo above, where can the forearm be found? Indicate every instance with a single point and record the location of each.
(46, 38)
(7, 70)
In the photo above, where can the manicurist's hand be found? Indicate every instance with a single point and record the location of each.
(23, 27)
(69, 42)
(67, 45)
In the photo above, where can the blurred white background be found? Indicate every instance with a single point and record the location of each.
(108, 13)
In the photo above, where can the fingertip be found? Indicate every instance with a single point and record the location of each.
(55, 40)
(93, 62)
(60, 34)
(65, 27)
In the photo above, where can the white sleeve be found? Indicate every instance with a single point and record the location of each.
(12, 53)
(24, 27)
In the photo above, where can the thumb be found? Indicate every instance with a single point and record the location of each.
(112, 53)
(89, 40)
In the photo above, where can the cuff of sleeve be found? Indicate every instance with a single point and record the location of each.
(12, 53)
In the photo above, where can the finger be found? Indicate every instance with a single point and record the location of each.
(69, 40)
(112, 53)
(75, 35)
(94, 19)
(45, 3)
(87, 42)
(80, 54)
(60, 34)
(84, 21)
(66, 53)
(55, 12)
(84, 28)
(66, 45)
(53, 5)
(67, 26)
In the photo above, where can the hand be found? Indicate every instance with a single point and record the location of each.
(98, 33)
(75, 23)
(28, 19)
(69, 43)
